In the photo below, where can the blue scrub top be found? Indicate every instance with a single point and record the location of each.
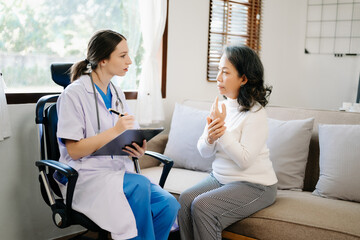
(106, 97)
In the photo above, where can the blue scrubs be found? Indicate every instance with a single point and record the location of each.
(154, 209)
(106, 97)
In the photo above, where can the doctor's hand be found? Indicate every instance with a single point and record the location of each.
(136, 150)
(125, 122)
(215, 130)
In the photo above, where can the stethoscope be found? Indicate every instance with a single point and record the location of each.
(96, 101)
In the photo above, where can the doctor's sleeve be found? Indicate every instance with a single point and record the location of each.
(71, 119)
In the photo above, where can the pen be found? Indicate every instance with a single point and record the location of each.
(116, 112)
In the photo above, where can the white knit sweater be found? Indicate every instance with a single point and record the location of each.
(241, 153)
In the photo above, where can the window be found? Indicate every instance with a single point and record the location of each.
(35, 33)
(232, 21)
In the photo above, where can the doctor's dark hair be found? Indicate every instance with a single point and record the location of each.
(247, 62)
(100, 47)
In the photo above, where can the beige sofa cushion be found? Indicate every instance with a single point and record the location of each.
(301, 215)
(178, 180)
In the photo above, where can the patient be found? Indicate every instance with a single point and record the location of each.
(243, 180)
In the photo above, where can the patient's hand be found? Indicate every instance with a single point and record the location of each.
(215, 113)
(215, 130)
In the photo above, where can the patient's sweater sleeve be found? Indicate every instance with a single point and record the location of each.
(205, 148)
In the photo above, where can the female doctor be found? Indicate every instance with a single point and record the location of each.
(107, 190)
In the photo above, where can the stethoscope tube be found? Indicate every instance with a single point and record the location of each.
(96, 101)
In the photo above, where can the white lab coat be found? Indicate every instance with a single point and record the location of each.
(99, 188)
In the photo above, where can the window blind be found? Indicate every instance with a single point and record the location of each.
(232, 21)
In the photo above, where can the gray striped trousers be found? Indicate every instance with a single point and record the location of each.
(209, 207)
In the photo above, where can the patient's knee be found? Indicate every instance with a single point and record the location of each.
(186, 198)
(199, 206)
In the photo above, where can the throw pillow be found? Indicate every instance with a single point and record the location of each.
(339, 162)
(288, 144)
(187, 125)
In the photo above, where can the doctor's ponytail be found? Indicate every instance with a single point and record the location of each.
(78, 69)
(100, 47)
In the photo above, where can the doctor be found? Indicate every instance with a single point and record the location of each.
(108, 191)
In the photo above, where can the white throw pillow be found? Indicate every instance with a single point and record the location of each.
(187, 125)
(288, 143)
(339, 162)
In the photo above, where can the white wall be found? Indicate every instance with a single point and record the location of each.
(312, 81)
(187, 54)
(298, 79)
(23, 213)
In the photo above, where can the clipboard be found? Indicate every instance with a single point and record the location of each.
(126, 138)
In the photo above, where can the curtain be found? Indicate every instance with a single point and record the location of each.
(132, 21)
(4, 115)
(149, 101)
(133, 41)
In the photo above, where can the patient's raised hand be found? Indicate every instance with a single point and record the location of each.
(215, 112)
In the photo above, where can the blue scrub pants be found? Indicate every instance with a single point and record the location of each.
(155, 209)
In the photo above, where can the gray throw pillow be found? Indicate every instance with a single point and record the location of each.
(288, 143)
(339, 162)
(187, 125)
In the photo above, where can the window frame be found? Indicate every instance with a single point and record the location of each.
(252, 36)
(22, 97)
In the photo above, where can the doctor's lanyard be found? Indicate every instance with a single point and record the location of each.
(96, 101)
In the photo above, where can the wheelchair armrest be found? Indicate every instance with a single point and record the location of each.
(168, 163)
(40, 105)
(67, 171)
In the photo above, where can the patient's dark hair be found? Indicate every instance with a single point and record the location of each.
(247, 62)
(100, 47)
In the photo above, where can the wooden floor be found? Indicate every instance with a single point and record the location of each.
(91, 235)
(232, 236)
(173, 236)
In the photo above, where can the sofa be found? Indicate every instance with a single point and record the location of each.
(315, 154)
